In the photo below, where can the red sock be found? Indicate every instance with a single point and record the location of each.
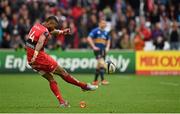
(68, 78)
(55, 90)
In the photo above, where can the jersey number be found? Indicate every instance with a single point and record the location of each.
(31, 35)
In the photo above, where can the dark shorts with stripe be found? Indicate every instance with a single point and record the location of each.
(100, 54)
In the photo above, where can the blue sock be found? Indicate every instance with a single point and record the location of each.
(96, 75)
(102, 71)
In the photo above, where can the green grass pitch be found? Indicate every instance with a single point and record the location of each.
(126, 93)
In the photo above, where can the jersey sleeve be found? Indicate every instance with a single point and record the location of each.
(46, 34)
(92, 34)
(108, 36)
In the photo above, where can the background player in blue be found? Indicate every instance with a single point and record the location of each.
(100, 42)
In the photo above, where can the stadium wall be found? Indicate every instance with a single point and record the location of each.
(76, 61)
(83, 61)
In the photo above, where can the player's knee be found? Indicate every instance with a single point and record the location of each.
(60, 71)
(49, 77)
(101, 63)
(63, 72)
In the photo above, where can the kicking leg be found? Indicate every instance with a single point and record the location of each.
(70, 79)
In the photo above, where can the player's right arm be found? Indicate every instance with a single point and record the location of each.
(108, 45)
(90, 40)
(91, 43)
(59, 32)
(38, 47)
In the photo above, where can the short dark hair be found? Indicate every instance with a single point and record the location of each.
(53, 18)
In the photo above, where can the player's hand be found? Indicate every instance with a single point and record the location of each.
(66, 31)
(34, 57)
(107, 49)
(56, 32)
(59, 32)
(96, 48)
(32, 61)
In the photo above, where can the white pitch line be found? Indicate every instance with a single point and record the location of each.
(169, 83)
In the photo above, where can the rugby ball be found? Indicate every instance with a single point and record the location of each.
(111, 67)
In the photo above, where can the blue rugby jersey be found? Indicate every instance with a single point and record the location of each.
(99, 37)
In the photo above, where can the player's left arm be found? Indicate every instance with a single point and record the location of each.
(108, 45)
(59, 32)
(38, 47)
